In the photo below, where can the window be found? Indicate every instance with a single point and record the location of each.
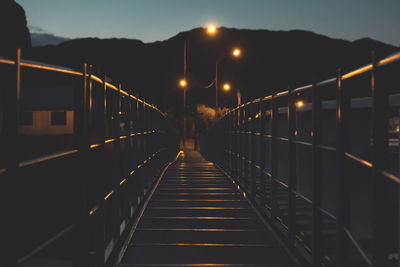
(58, 118)
(26, 118)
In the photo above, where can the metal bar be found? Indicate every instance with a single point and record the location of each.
(117, 167)
(382, 204)
(303, 88)
(390, 176)
(357, 72)
(274, 157)
(7, 61)
(390, 59)
(253, 149)
(46, 158)
(343, 104)
(11, 102)
(358, 160)
(263, 154)
(82, 237)
(317, 248)
(41, 247)
(50, 68)
(292, 168)
(237, 144)
(358, 247)
(302, 143)
(241, 154)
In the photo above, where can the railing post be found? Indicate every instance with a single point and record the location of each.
(241, 137)
(292, 167)
(118, 168)
(11, 101)
(263, 154)
(342, 108)
(316, 178)
(253, 149)
(230, 143)
(381, 202)
(274, 156)
(248, 118)
(237, 145)
(83, 248)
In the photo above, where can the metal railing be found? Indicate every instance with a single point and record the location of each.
(78, 205)
(318, 162)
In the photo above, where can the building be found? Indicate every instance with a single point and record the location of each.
(47, 110)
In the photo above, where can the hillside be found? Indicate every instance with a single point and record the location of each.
(271, 60)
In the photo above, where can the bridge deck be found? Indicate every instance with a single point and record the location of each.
(195, 218)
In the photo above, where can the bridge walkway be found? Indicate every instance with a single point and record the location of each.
(196, 217)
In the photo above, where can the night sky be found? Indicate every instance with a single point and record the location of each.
(152, 20)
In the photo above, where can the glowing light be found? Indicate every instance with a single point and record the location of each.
(211, 30)
(299, 104)
(183, 83)
(236, 52)
(227, 86)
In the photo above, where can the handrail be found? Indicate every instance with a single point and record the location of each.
(140, 142)
(383, 62)
(49, 67)
(256, 146)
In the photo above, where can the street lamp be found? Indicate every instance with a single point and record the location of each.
(299, 103)
(236, 53)
(211, 30)
(183, 84)
(227, 87)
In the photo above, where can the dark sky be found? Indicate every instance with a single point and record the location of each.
(151, 20)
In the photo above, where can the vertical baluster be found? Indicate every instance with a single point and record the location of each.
(317, 246)
(117, 167)
(253, 149)
(263, 154)
(274, 156)
(82, 245)
(382, 204)
(240, 148)
(237, 141)
(247, 137)
(292, 167)
(342, 108)
(231, 143)
(10, 138)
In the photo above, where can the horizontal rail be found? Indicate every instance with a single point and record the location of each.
(46, 158)
(42, 66)
(46, 244)
(54, 68)
(256, 163)
(358, 247)
(383, 62)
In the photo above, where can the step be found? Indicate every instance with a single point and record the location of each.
(204, 254)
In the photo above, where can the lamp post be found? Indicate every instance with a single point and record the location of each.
(183, 84)
(236, 53)
(227, 87)
(211, 30)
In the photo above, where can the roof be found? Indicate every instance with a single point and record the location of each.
(47, 97)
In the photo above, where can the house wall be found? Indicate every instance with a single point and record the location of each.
(41, 124)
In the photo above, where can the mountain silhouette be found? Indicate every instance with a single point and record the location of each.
(270, 61)
(42, 39)
(13, 29)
